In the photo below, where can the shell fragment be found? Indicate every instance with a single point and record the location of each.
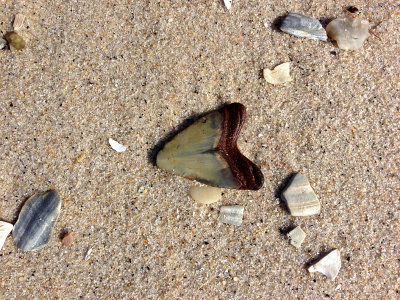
(231, 215)
(228, 4)
(18, 22)
(349, 33)
(116, 146)
(88, 253)
(302, 26)
(5, 229)
(205, 194)
(296, 236)
(329, 265)
(300, 197)
(279, 75)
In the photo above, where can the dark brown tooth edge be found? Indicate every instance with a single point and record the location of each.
(207, 151)
(247, 174)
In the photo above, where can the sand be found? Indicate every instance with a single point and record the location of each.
(135, 71)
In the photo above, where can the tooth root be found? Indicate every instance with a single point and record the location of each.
(300, 197)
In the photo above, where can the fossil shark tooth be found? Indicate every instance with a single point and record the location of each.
(329, 265)
(300, 197)
(36, 220)
(302, 26)
(5, 229)
(206, 151)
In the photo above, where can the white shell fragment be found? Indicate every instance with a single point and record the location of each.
(87, 256)
(296, 236)
(205, 194)
(18, 22)
(329, 265)
(231, 215)
(116, 146)
(349, 33)
(302, 26)
(5, 229)
(300, 197)
(279, 75)
(228, 3)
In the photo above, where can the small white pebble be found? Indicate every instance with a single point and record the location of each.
(116, 146)
(141, 189)
(205, 194)
(235, 279)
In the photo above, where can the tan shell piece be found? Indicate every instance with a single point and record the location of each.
(205, 194)
(329, 265)
(300, 197)
(279, 75)
(18, 22)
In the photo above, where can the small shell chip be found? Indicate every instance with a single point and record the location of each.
(5, 229)
(18, 22)
(116, 146)
(231, 215)
(279, 75)
(228, 4)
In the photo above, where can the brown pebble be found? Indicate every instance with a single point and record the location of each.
(68, 239)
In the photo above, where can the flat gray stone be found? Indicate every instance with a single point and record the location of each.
(36, 220)
(302, 26)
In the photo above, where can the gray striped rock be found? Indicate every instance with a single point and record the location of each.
(300, 197)
(302, 26)
(36, 220)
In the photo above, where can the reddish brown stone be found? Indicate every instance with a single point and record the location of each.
(68, 239)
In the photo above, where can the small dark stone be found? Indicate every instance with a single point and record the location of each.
(352, 9)
(333, 52)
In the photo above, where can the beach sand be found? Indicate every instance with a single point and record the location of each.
(136, 71)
